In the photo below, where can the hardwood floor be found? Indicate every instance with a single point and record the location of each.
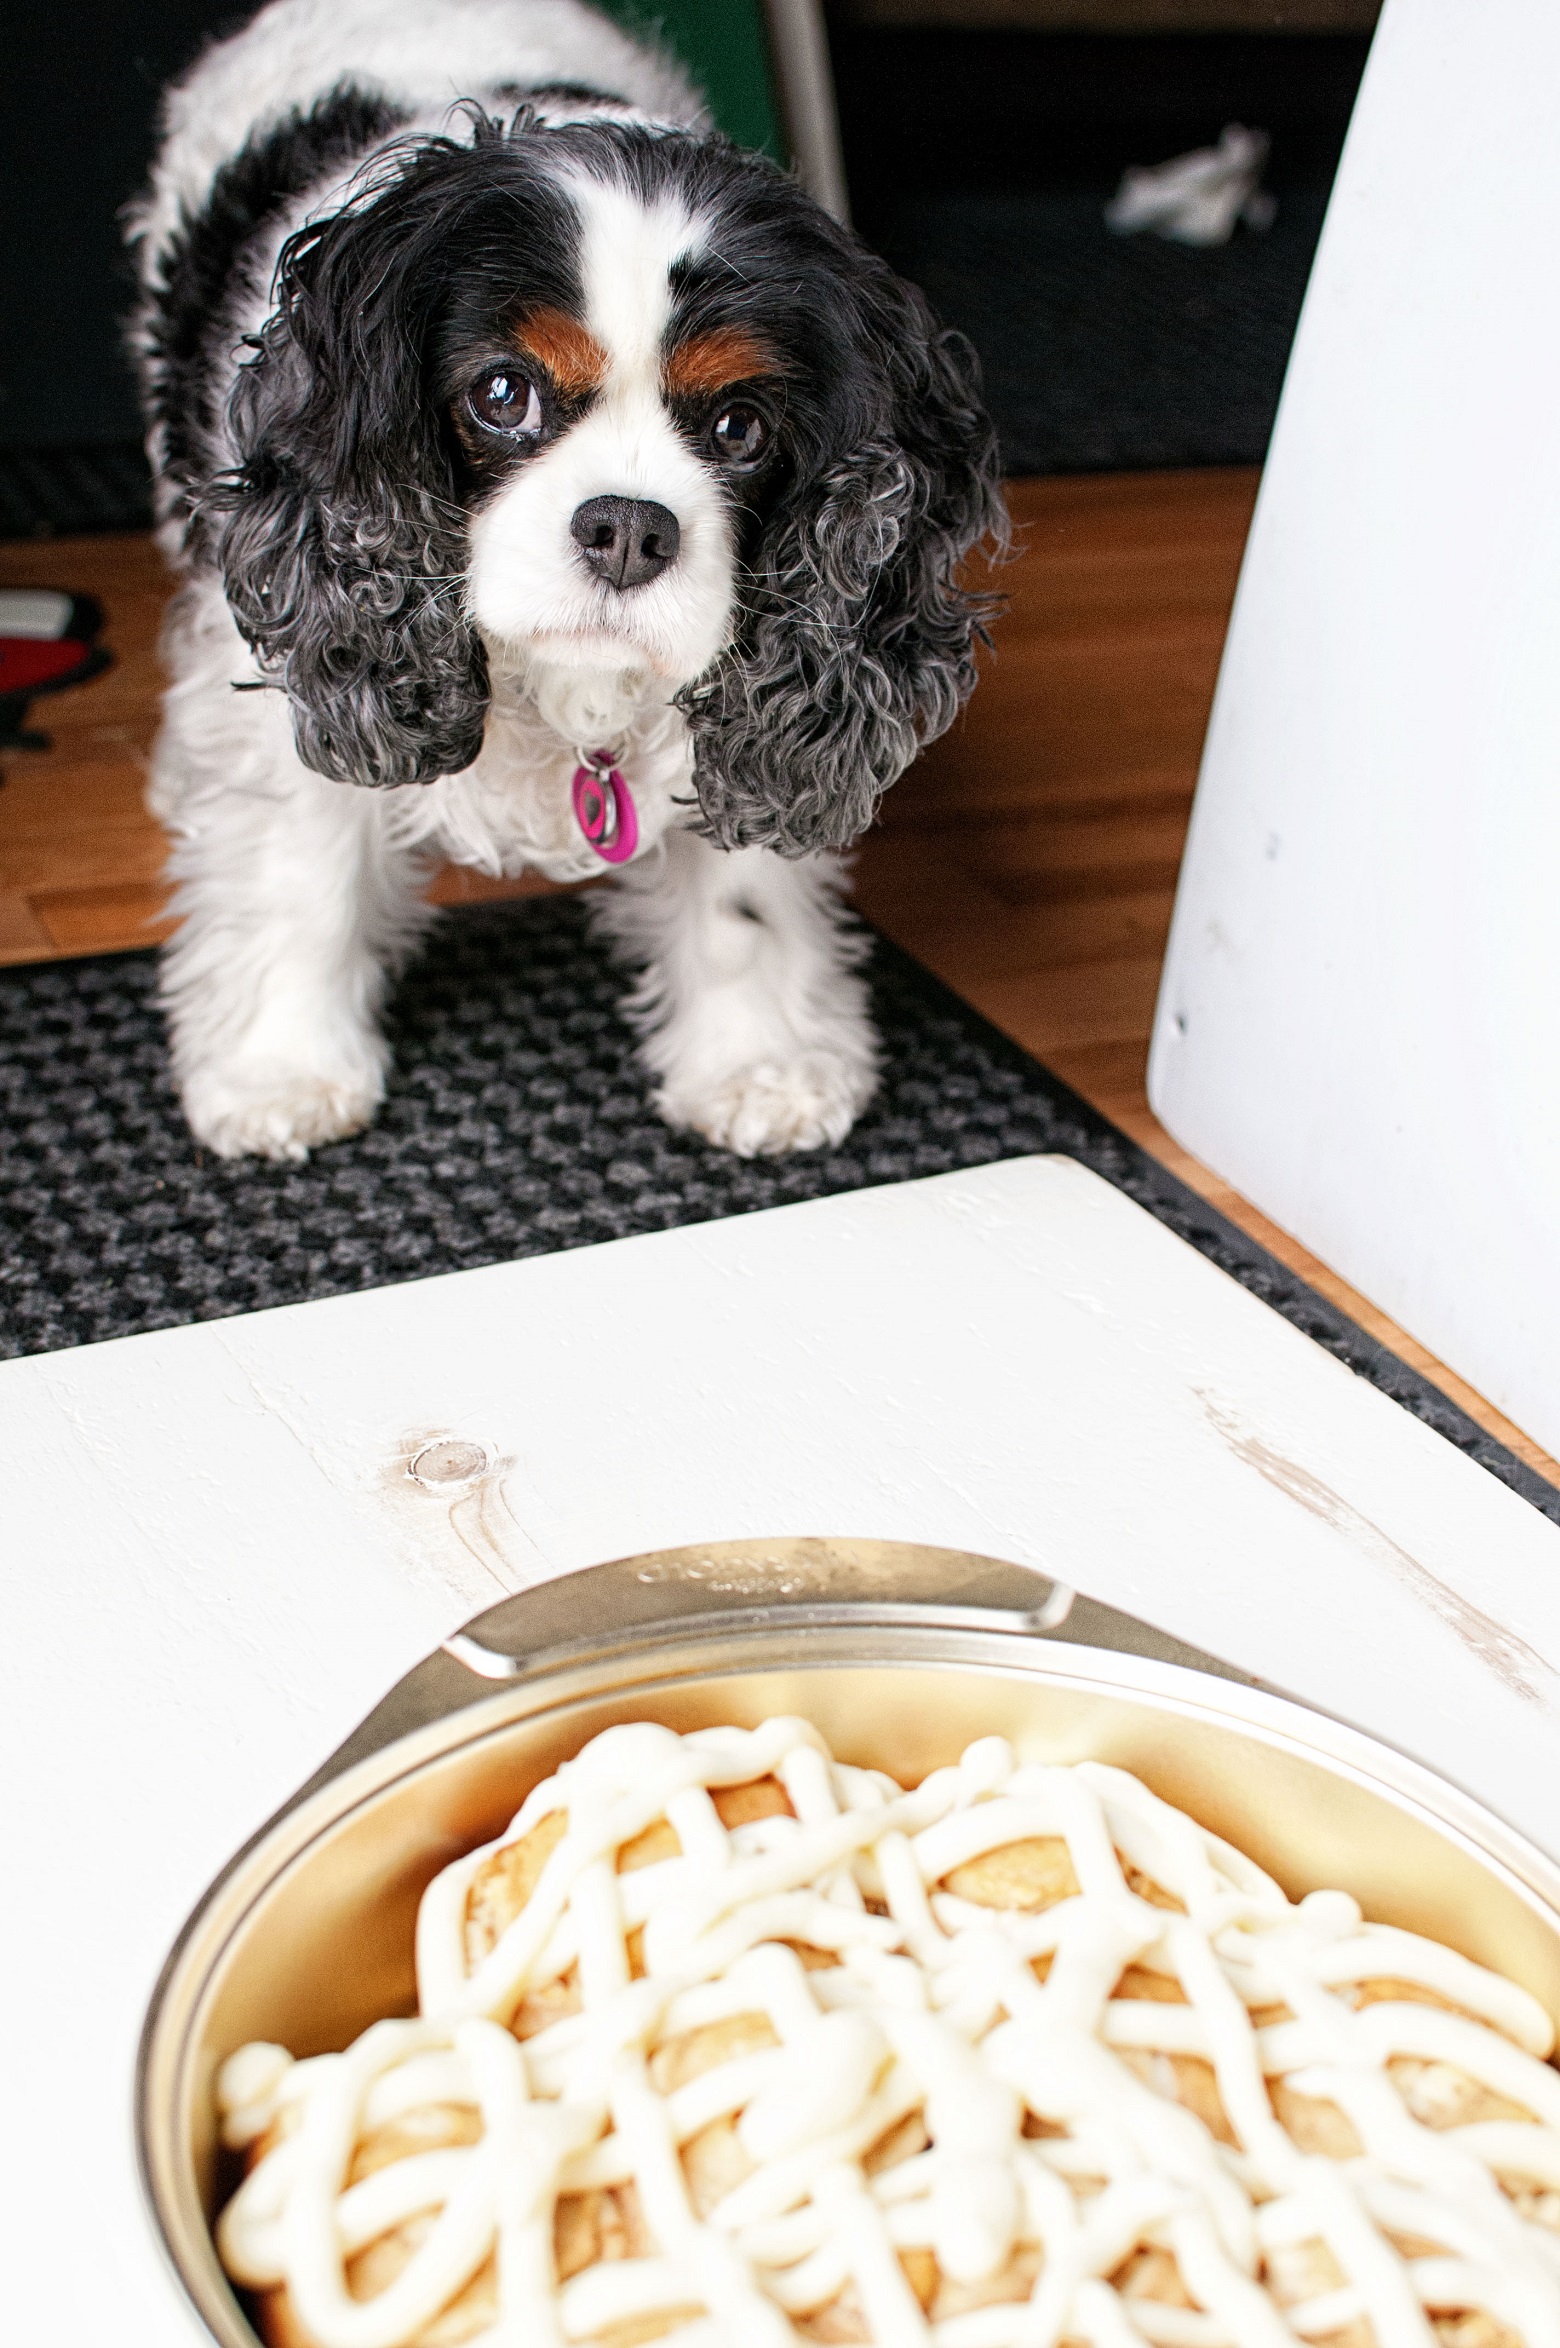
(1030, 858)
(79, 855)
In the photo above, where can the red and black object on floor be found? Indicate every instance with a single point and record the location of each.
(48, 640)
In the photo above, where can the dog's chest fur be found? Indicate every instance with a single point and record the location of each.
(512, 810)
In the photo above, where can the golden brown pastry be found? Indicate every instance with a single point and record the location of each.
(729, 2044)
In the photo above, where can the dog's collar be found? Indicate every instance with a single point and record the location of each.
(604, 806)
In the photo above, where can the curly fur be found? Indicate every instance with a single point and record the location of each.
(339, 533)
(855, 640)
(196, 273)
(858, 644)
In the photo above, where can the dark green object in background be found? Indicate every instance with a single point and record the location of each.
(724, 46)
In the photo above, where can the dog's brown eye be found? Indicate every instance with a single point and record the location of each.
(740, 436)
(505, 401)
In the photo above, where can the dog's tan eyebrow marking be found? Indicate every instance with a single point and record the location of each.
(572, 356)
(708, 362)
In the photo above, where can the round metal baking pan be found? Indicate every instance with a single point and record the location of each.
(900, 1656)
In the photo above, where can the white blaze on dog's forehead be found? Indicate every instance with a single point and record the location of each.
(528, 588)
(628, 248)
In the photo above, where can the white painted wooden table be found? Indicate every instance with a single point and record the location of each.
(216, 1561)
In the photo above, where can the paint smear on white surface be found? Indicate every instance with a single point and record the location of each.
(1527, 1673)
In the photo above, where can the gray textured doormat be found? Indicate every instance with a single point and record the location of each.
(517, 1123)
(1111, 354)
(64, 492)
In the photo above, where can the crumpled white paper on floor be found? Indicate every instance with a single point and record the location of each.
(1196, 199)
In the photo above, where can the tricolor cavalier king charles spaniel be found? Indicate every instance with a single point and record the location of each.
(556, 488)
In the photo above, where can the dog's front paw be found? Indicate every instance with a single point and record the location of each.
(276, 1112)
(803, 1103)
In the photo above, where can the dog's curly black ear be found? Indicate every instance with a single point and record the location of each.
(858, 641)
(340, 538)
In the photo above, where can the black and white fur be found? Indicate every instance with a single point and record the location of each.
(389, 648)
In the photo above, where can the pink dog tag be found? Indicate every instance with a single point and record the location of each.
(604, 807)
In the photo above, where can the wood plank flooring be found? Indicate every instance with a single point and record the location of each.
(79, 855)
(1030, 858)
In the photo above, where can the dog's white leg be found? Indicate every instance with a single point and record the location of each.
(750, 1005)
(295, 903)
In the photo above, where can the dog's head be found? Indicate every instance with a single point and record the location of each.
(618, 401)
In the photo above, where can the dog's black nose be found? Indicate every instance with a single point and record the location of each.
(625, 541)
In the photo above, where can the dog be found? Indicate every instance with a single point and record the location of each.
(555, 487)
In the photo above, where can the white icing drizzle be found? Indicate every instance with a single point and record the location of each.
(933, 2008)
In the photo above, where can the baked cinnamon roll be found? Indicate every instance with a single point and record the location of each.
(729, 2044)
